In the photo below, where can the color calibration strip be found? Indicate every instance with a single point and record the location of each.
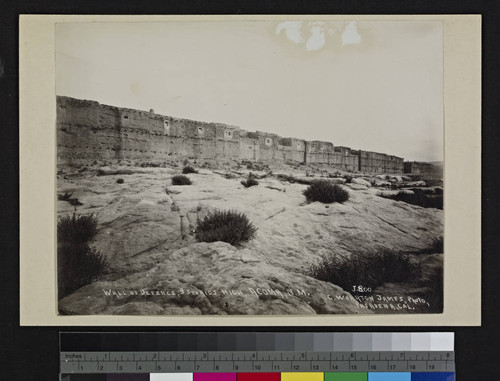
(256, 341)
(257, 356)
(295, 376)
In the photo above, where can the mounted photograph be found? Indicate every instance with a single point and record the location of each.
(271, 167)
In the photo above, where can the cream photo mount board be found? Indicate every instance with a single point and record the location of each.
(462, 199)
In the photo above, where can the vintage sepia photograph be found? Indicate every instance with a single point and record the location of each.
(240, 167)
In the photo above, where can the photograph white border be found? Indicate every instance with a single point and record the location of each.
(462, 181)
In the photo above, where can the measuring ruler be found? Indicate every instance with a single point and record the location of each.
(266, 361)
(258, 353)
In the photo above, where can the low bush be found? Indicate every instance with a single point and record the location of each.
(436, 247)
(77, 266)
(288, 178)
(326, 192)
(188, 169)
(77, 263)
(120, 181)
(76, 229)
(229, 176)
(66, 196)
(250, 181)
(181, 180)
(256, 166)
(423, 198)
(226, 226)
(369, 270)
(149, 164)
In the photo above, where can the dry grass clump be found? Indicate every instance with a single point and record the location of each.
(250, 181)
(225, 225)
(424, 198)
(77, 263)
(76, 229)
(181, 180)
(369, 270)
(325, 192)
(188, 169)
(66, 196)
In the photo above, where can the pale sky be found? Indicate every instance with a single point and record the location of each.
(371, 85)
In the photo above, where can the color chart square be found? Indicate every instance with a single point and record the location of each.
(299, 376)
(171, 377)
(258, 376)
(426, 376)
(346, 376)
(214, 377)
(389, 376)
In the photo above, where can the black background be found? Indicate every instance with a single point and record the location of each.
(31, 353)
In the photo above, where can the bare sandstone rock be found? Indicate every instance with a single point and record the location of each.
(157, 267)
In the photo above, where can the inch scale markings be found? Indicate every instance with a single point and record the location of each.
(228, 362)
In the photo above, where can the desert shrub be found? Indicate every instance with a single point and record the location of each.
(181, 180)
(120, 181)
(288, 178)
(348, 179)
(66, 196)
(149, 164)
(436, 247)
(78, 265)
(225, 225)
(369, 270)
(250, 181)
(76, 229)
(418, 197)
(188, 169)
(325, 192)
(435, 289)
(256, 166)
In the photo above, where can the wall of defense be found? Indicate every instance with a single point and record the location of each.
(89, 131)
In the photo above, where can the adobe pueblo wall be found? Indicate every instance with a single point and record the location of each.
(424, 169)
(88, 131)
